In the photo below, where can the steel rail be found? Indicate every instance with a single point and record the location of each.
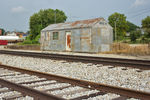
(38, 95)
(102, 87)
(64, 55)
(95, 57)
(141, 64)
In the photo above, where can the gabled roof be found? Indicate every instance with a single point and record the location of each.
(72, 25)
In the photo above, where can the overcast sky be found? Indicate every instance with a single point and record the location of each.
(15, 14)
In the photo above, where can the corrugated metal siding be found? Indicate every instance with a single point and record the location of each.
(58, 45)
(42, 41)
(75, 40)
(93, 39)
(106, 39)
(73, 25)
(102, 37)
(85, 38)
(96, 42)
(80, 40)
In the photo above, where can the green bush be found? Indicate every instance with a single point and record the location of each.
(27, 42)
(35, 42)
(144, 39)
(134, 35)
(37, 38)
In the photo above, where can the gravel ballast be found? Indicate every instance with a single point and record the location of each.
(51, 86)
(130, 78)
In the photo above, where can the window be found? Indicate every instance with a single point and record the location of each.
(103, 23)
(55, 35)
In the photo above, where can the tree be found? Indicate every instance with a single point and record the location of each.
(146, 25)
(42, 19)
(138, 33)
(135, 35)
(132, 27)
(3, 31)
(121, 24)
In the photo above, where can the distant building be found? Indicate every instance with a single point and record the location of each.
(19, 34)
(11, 34)
(127, 34)
(94, 35)
(137, 29)
(142, 30)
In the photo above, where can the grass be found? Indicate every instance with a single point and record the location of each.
(24, 47)
(124, 48)
(27, 44)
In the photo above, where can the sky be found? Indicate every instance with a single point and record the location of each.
(15, 14)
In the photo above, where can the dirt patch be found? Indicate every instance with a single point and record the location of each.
(23, 47)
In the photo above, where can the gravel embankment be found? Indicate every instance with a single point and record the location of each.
(46, 85)
(50, 84)
(129, 78)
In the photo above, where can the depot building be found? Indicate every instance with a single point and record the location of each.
(93, 35)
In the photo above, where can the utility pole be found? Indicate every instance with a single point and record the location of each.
(55, 17)
(115, 32)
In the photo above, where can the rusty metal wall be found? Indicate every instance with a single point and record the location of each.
(95, 39)
(106, 38)
(102, 38)
(60, 44)
(85, 38)
(75, 40)
(81, 40)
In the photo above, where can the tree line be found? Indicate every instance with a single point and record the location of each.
(121, 26)
(118, 21)
(42, 19)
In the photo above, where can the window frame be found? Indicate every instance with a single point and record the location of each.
(55, 35)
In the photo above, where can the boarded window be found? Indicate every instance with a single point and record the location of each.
(55, 35)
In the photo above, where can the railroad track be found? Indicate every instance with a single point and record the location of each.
(17, 83)
(141, 64)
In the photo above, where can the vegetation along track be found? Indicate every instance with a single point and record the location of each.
(44, 86)
(141, 64)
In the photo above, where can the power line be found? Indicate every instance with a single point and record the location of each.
(131, 12)
(140, 14)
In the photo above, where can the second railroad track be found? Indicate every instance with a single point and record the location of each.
(141, 64)
(17, 83)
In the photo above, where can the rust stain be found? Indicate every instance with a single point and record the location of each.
(86, 22)
(84, 37)
(76, 24)
(72, 46)
(69, 41)
(98, 32)
(90, 21)
(48, 36)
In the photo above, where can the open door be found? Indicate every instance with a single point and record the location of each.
(68, 41)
